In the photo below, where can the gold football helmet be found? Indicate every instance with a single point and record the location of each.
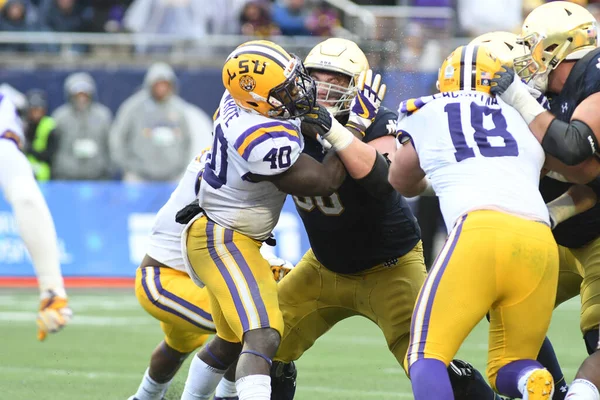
(504, 45)
(264, 78)
(341, 56)
(469, 67)
(554, 32)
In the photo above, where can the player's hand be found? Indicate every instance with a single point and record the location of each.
(365, 105)
(280, 268)
(508, 86)
(317, 122)
(53, 315)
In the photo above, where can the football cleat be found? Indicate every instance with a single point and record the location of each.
(540, 385)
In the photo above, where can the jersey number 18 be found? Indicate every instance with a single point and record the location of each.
(482, 135)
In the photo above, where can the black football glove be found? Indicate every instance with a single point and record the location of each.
(317, 122)
(502, 80)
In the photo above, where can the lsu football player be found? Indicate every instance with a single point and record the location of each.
(355, 265)
(166, 291)
(577, 199)
(34, 221)
(562, 62)
(484, 165)
(256, 159)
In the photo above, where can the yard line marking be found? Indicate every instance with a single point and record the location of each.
(86, 320)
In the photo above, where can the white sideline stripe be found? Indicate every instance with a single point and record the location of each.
(17, 316)
(113, 375)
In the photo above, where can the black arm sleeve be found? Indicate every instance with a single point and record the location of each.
(571, 143)
(376, 182)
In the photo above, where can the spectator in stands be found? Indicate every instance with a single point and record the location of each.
(416, 54)
(323, 20)
(475, 16)
(290, 16)
(66, 15)
(594, 8)
(255, 20)
(20, 16)
(40, 135)
(151, 137)
(82, 127)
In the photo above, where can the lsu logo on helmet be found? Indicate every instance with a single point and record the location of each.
(265, 79)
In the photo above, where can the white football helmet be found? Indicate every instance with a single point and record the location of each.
(504, 45)
(342, 56)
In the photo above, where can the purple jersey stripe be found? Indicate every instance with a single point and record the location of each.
(249, 277)
(166, 308)
(237, 301)
(184, 303)
(240, 140)
(436, 283)
(265, 137)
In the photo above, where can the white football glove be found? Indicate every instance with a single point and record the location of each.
(53, 315)
(365, 104)
(279, 266)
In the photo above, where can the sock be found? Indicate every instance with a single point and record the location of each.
(510, 377)
(582, 389)
(37, 230)
(430, 380)
(226, 388)
(548, 359)
(254, 387)
(201, 381)
(150, 389)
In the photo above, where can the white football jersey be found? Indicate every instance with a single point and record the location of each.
(247, 143)
(478, 153)
(11, 126)
(165, 237)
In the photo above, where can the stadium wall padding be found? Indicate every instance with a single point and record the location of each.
(103, 227)
(201, 87)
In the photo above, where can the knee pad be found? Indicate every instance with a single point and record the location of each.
(468, 383)
(591, 340)
(283, 380)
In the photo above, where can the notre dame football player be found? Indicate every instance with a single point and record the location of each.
(563, 62)
(366, 256)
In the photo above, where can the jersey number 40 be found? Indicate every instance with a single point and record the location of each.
(482, 135)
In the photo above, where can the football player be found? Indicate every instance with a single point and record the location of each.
(166, 291)
(256, 159)
(562, 62)
(35, 223)
(366, 257)
(577, 199)
(484, 165)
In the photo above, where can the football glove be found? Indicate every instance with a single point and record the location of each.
(508, 86)
(53, 315)
(280, 268)
(365, 105)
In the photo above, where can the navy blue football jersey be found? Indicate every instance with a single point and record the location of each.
(583, 81)
(351, 230)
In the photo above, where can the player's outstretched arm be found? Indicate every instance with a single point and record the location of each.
(406, 175)
(578, 199)
(308, 177)
(581, 173)
(572, 142)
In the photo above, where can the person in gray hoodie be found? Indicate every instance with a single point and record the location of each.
(151, 137)
(82, 126)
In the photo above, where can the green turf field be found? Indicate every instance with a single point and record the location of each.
(104, 352)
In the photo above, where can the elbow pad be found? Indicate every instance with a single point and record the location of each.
(376, 181)
(572, 143)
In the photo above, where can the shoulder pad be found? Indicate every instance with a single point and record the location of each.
(260, 133)
(412, 105)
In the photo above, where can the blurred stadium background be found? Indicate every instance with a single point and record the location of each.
(104, 181)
